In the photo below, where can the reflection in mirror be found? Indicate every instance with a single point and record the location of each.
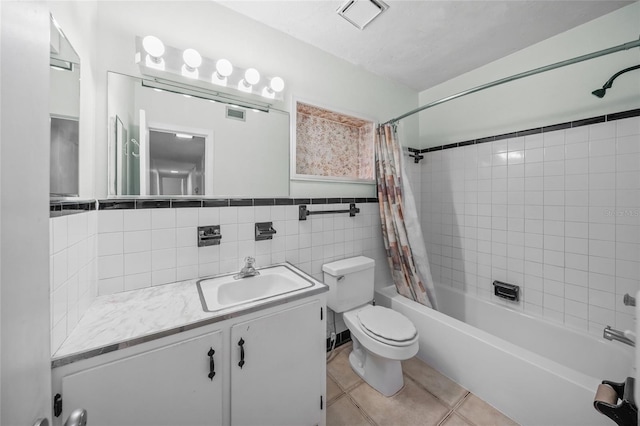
(64, 107)
(176, 163)
(163, 142)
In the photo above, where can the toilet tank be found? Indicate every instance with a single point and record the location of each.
(350, 283)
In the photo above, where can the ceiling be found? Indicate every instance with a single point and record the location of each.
(423, 43)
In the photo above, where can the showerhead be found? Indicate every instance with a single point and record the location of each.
(601, 92)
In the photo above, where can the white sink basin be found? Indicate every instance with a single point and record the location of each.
(226, 291)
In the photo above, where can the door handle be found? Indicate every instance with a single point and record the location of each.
(78, 417)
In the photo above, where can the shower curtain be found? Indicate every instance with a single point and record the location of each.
(401, 229)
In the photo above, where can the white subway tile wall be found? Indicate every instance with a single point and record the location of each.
(73, 277)
(556, 213)
(147, 247)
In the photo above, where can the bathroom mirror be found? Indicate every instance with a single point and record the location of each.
(164, 142)
(64, 113)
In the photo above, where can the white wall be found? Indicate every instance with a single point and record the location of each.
(217, 32)
(25, 375)
(550, 98)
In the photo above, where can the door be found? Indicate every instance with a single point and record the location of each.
(25, 385)
(166, 386)
(281, 381)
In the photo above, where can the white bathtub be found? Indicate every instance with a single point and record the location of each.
(536, 372)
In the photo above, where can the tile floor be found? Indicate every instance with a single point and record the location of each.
(427, 399)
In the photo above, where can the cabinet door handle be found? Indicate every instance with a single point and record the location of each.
(212, 365)
(241, 344)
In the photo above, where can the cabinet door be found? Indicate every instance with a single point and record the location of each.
(282, 378)
(165, 386)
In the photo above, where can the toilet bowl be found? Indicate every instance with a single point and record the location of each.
(377, 358)
(382, 338)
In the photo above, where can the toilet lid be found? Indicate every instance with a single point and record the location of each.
(386, 324)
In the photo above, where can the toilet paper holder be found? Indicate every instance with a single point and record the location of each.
(624, 412)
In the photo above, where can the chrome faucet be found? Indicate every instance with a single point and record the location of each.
(612, 334)
(248, 270)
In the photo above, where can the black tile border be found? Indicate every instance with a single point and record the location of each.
(342, 338)
(545, 129)
(153, 204)
(68, 207)
(215, 203)
(286, 201)
(185, 203)
(264, 202)
(59, 208)
(240, 202)
(116, 204)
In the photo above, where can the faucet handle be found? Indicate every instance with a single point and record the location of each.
(249, 261)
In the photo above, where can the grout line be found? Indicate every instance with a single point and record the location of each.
(362, 411)
(446, 404)
(445, 418)
(460, 401)
(334, 400)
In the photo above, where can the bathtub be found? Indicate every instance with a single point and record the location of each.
(536, 372)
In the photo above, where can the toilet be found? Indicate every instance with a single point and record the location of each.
(382, 338)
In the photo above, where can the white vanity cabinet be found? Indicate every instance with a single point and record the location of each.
(166, 381)
(165, 386)
(273, 378)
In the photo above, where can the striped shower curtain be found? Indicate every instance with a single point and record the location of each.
(401, 229)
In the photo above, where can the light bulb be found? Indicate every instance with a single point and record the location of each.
(153, 46)
(224, 67)
(192, 58)
(155, 49)
(252, 76)
(223, 70)
(276, 84)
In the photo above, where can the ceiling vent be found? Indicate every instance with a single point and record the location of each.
(236, 114)
(360, 13)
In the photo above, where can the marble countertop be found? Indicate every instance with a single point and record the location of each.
(121, 320)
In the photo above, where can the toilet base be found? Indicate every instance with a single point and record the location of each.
(382, 374)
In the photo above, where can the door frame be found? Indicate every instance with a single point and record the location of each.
(207, 134)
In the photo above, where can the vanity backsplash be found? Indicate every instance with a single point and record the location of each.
(132, 244)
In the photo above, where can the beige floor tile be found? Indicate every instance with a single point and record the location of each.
(435, 382)
(344, 412)
(341, 371)
(333, 390)
(480, 413)
(455, 420)
(411, 406)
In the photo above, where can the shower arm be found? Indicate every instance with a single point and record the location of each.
(609, 82)
(614, 49)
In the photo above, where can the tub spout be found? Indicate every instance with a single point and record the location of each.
(621, 336)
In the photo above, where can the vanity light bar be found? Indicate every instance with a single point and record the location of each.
(189, 67)
(173, 87)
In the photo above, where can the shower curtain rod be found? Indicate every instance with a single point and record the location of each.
(624, 46)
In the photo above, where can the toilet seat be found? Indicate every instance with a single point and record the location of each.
(387, 326)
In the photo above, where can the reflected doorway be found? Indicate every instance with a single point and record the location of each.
(177, 163)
